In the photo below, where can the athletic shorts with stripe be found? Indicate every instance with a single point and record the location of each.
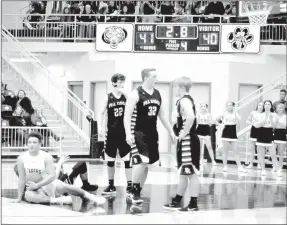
(145, 149)
(188, 154)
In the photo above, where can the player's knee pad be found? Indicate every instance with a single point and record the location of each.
(111, 163)
(127, 165)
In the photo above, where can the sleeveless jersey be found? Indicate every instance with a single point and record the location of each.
(35, 164)
(229, 119)
(181, 120)
(281, 122)
(203, 118)
(146, 111)
(116, 110)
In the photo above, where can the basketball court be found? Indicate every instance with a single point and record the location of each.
(224, 197)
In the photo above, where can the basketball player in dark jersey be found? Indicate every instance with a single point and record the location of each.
(143, 108)
(188, 147)
(114, 108)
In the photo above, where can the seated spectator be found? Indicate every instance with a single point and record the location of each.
(148, 8)
(125, 11)
(103, 11)
(214, 8)
(196, 8)
(89, 18)
(112, 10)
(230, 10)
(131, 7)
(67, 23)
(166, 9)
(28, 110)
(9, 98)
(80, 19)
(180, 19)
(18, 109)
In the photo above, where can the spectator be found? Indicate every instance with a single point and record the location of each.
(196, 8)
(166, 9)
(215, 8)
(282, 100)
(230, 10)
(18, 109)
(125, 11)
(103, 11)
(80, 19)
(90, 19)
(67, 24)
(28, 110)
(112, 10)
(180, 19)
(148, 8)
(131, 7)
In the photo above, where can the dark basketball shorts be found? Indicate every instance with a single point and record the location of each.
(229, 133)
(265, 137)
(114, 143)
(145, 149)
(280, 136)
(253, 134)
(203, 131)
(191, 158)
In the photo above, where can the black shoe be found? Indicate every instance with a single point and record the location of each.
(173, 205)
(136, 199)
(90, 187)
(109, 191)
(188, 209)
(129, 190)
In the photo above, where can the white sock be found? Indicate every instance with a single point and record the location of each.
(54, 201)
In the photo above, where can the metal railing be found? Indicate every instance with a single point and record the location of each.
(15, 138)
(49, 87)
(49, 27)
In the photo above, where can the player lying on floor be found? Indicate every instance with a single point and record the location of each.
(37, 178)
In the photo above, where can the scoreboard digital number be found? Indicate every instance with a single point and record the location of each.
(181, 38)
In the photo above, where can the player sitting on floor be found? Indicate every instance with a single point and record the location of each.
(79, 169)
(37, 178)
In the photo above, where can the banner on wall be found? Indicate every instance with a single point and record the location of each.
(240, 38)
(114, 37)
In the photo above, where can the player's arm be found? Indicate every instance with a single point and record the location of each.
(102, 115)
(163, 118)
(22, 178)
(188, 113)
(51, 172)
(130, 105)
(62, 160)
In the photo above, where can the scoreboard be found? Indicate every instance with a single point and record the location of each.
(182, 38)
(178, 38)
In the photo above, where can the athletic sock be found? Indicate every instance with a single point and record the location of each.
(136, 188)
(193, 202)
(55, 201)
(111, 183)
(177, 198)
(85, 183)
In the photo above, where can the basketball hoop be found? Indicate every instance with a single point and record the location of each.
(258, 11)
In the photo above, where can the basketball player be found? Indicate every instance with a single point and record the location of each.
(37, 175)
(188, 146)
(142, 109)
(203, 131)
(253, 120)
(280, 134)
(230, 118)
(79, 169)
(265, 136)
(114, 106)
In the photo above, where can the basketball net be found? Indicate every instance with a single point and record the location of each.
(258, 11)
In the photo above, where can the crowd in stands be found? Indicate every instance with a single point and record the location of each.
(18, 111)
